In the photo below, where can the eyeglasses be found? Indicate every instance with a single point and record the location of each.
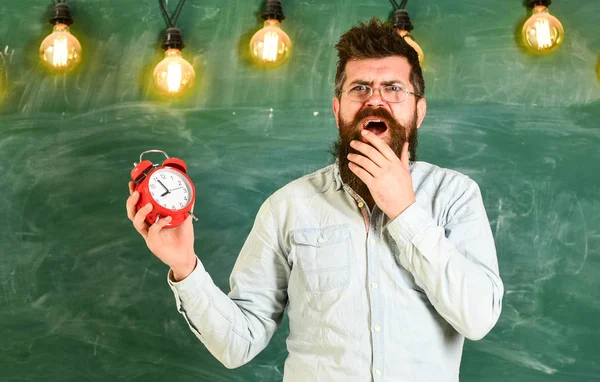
(389, 93)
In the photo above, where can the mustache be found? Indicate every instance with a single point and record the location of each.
(399, 132)
(375, 112)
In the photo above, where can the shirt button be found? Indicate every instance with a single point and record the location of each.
(361, 205)
(320, 240)
(372, 241)
(377, 328)
(374, 285)
(378, 372)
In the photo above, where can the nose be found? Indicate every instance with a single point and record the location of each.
(375, 100)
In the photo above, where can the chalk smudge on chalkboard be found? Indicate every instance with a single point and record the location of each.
(517, 356)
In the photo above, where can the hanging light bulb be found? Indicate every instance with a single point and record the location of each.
(61, 51)
(411, 41)
(271, 46)
(542, 32)
(173, 76)
(401, 22)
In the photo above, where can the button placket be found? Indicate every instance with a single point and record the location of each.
(375, 298)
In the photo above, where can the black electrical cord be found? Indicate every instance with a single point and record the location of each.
(178, 12)
(173, 38)
(171, 22)
(401, 6)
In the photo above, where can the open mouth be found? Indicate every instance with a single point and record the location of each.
(376, 126)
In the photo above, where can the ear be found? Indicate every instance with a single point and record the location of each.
(421, 111)
(336, 110)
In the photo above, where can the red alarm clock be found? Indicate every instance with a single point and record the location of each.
(167, 187)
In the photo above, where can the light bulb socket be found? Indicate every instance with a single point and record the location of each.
(273, 11)
(173, 40)
(534, 3)
(401, 20)
(62, 14)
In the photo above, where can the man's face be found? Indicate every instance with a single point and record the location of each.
(376, 72)
(398, 121)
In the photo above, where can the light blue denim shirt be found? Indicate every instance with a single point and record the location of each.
(368, 299)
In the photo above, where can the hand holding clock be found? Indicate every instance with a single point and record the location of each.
(174, 246)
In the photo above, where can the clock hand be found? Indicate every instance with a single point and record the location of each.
(176, 189)
(161, 183)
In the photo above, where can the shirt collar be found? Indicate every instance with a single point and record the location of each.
(336, 175)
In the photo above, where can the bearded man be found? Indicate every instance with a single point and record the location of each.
(383, 264)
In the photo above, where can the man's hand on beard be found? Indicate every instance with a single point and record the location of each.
(387, 176)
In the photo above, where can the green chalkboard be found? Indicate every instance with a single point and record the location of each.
(82, 299)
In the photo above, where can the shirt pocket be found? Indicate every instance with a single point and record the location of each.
(324, 256)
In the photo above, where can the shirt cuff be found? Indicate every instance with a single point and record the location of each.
(409, 225)
(191, 286)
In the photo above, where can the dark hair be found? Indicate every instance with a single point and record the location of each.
(376, 39)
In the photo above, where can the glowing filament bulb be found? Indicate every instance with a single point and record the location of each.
(542, 29)
(542, 32)
(60, 51)
(173, 75)
(270, 46)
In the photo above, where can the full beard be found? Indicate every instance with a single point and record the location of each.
(351, 131)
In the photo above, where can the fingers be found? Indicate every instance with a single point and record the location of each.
(131, 203)
(159, 225)
(361, 173)
(379, 144)
(370, 152)
(131, 187)
(365, 163)
(139, 221)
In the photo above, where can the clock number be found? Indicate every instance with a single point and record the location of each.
(153, 185)
(179, 182)
(163, 176)
(180, 204)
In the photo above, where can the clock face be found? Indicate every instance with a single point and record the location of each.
(170, 189)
